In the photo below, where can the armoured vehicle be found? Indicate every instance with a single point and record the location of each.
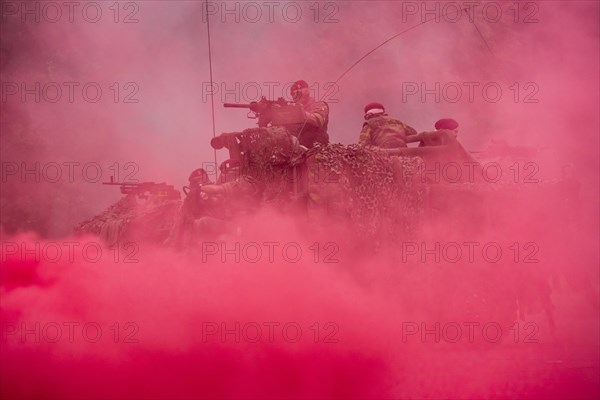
(437, 191)
(381, 192)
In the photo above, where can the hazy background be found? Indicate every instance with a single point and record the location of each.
(166, 133)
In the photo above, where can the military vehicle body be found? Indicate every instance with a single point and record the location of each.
(381, 191)
(385, 196)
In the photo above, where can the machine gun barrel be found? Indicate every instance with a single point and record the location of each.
(140, 189)
(262, 109)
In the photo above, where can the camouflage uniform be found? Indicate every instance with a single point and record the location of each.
(316, 116)
(209, 210)
(314, 129)
(385, 132)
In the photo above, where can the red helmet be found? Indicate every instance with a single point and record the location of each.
(199, 174)
(301, 84)
(372, 106)
(446, 123)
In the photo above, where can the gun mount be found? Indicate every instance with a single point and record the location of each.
(143, 189)
(274, 112)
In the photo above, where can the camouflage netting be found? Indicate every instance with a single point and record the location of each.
(377, 191)
(267, 148)
(129, 220)
(269, 159)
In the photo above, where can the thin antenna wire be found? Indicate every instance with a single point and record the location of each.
(212, 97)
(403, 32)
(483, 38)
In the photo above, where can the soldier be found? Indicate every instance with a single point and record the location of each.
(445, 133)
(194, 201)
(316, 113)
(199, 176)
(382, 130)
(444, 139)
(195, 205)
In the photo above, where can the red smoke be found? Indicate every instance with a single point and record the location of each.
(189, 323)
(368, 316)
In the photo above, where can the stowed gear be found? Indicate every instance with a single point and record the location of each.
(270, 154)
(378, 192)
(127, 220)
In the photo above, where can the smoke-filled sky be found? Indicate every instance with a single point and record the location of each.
(544, 65)
(525, 73)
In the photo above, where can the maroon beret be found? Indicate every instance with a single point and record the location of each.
(446, 123)
(371, 106)
(199, 173)
(301, 84)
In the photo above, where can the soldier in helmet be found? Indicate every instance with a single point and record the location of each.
(382, 130)
(316, 114)
(446, 131)
(208, 208)
(199, 176)
(445, 134)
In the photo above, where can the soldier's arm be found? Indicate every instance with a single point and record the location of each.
(417, 137)
(409, 130)
(435, 138)
(242, 186)
(214, 190)
(365, 135)
(429, 138)
(317, 115)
